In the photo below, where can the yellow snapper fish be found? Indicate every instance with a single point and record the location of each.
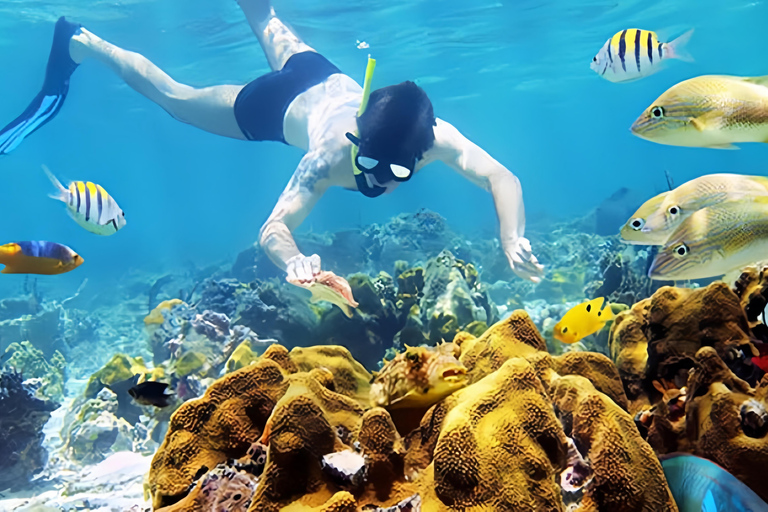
(715, 241)
(657, 218)
(582, 320)
(711, 111)
(89, 205)
(634, 53)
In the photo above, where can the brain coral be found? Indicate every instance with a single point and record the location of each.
(531, 432)
(685, 358)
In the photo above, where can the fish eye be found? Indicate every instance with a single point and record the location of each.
(657, 112)
(680, 250)
(412, 356)
(594, 59)
(122, 213)
(565, 330)
(637, 224)
(673, 210)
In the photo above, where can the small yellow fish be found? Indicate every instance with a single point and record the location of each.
(657, 218)
(582, 320)
(89, 205)
(715, 241)
(711, 111)
(634, 53)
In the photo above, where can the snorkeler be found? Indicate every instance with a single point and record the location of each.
(366, 141)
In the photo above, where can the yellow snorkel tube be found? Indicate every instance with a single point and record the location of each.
(362, 184)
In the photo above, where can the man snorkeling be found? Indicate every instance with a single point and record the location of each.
(364, 140)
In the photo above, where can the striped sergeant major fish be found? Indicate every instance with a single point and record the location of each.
(634, 53)
(45, 258)
(90, 205)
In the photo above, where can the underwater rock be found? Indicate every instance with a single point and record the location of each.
(97, 430)
(293, 403)
(32, 364)
(453, 298)
(276, 311)
(115, 484)
(22, 418)
(214, 326)
(347, 469)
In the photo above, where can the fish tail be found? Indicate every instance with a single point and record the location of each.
(676, 49)
(63, 193)
(8, 256)
(607, 313)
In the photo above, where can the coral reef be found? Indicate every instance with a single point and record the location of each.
(685, 357)
(529, 432)
(22, 417)
(97, 431)
(32, 364)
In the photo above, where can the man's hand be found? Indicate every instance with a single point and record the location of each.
(522, 260)
(303, 269)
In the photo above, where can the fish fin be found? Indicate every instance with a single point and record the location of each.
(697, 124)
(723, 146)
(758, 80)
(62, 190)
(709, 505)
(606, 314)
(676, 49)
(595, 305)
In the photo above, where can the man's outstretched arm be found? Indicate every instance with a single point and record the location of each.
(480, 168)
(308, 183)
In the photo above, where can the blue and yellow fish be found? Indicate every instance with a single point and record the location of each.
(635, 53)
(582, 320)
(89, 205)
(46, 258)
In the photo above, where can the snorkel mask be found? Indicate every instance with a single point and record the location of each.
(383, 170)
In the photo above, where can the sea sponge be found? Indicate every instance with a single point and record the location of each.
(501, 429)
(626, 473)
(242, 356)
(156, 315)
(728, 420)
(656, 340)
(222, 424)
(350, 378)
(501, 443)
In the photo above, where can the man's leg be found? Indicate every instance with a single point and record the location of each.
(209, 108)
(277, 40)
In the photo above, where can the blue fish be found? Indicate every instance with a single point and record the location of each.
(700, 485)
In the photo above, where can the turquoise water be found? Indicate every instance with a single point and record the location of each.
(512, 76)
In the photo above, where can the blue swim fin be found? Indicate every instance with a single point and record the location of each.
(49, 100)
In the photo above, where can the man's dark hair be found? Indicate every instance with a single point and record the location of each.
(397, 122)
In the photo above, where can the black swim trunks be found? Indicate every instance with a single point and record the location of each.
(261, 105)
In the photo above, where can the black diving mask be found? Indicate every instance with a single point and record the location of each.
(384, 170)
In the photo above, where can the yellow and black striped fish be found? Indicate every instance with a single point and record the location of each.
(90, 205)
(633, 53)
